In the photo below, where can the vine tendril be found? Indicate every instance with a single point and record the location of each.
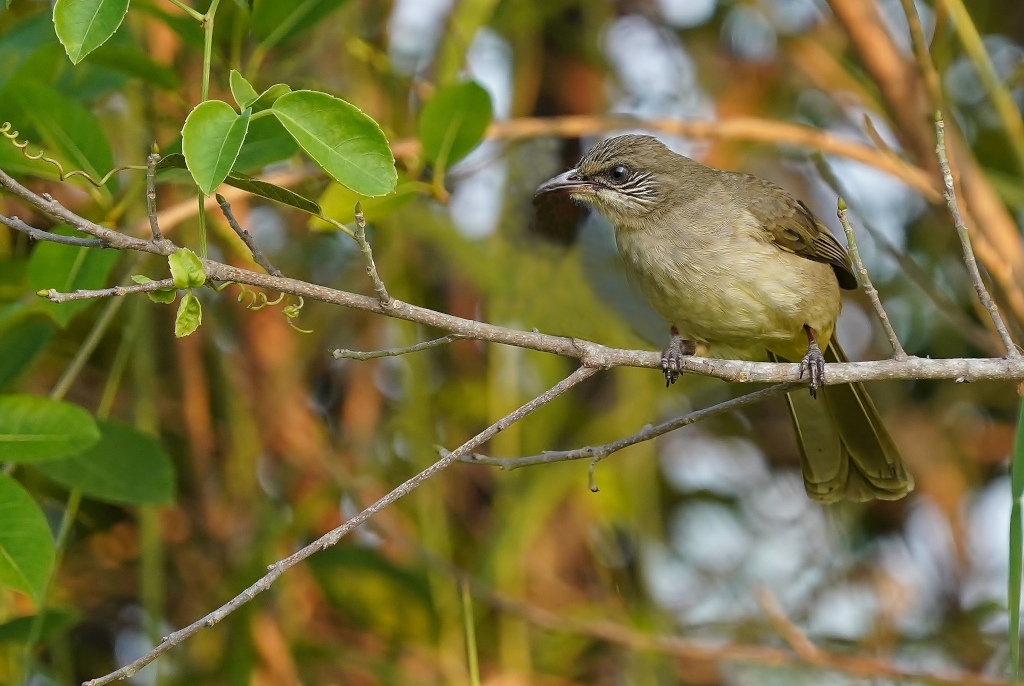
(7, 130)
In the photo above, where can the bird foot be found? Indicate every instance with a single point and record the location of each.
(813, 365)
(673, 354)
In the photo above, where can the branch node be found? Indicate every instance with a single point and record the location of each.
(592, 355)
(598, 455)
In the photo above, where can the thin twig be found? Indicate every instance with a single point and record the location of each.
(790, 632)
(898, 352)
(591, 354)
(55, 296)
(344, 354)
(965, 240)
(944, 304)
(40, 235)
(154, 225)
(645, 434)
(332, 537)
(922, 54)
(371, 267)
(250, 242)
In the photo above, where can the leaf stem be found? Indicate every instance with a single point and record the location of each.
(198, 16)
(207, 22)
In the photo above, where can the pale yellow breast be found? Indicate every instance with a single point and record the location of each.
(722, 283)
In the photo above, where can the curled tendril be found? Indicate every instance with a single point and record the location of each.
(7, 130)
(291, 312)
(259, 301)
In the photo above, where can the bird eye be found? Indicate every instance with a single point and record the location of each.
(619, 174)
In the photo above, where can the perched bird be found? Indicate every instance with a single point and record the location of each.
(741, 269)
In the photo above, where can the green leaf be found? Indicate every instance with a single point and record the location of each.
(22, 338)
(164, 295)
(33, 429)
(68, 131)
(267, 142)
(26, 545)
(275, 193)
(189, 317)
(84, 25)
(67, 268)
(339, 203)
(1016, 545)
(245, 4)
(346, 143)
(268, 97)
(453, 122)
(254, 186)
(274, 21)
(126, 466)
(241, 90)
(17, 630)
(211, 138)
(186, 269)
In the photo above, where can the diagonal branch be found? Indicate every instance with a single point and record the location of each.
(371, 267)
(154, 225)
(600, 452)
(39, 235)
(332, 537)
(257, 254)
(965, 241)
(56, 297)
(343, 354)
(898, 352)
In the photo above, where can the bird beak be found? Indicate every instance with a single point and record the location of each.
(569, 182)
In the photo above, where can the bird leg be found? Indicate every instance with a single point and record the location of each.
(673, 354)
(813, 363)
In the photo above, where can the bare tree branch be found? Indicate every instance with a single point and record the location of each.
(154, 225)
(965, 241)
(39, 235)
(645, 434)
(371, 267)
(944, 304)
(332, 537)
(865, 282)
(56, 297)
(257, 254)
(790, 632)
(591, 354)
(343, 354)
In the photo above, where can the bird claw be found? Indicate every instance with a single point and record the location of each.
(813, 365)
(672, 357)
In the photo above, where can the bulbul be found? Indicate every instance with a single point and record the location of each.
(741, 268)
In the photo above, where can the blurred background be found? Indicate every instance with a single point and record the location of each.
(693, 535)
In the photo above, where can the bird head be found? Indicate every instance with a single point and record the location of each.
(627, 178)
